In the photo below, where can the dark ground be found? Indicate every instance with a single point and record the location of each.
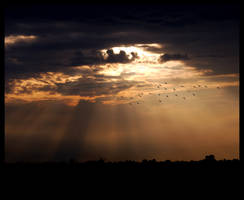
(206, 167)
(99, 178)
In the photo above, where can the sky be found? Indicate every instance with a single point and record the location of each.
(121, 82)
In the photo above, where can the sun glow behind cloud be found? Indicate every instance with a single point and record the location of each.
(145, 70)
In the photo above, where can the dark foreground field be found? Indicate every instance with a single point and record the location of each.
(204, 175)
(206, 166)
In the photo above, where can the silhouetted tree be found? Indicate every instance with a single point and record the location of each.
(210, 158)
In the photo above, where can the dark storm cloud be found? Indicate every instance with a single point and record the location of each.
(168, 57)
(108, 14)
(73, 35)
(28, 60)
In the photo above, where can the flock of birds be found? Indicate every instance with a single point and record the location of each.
(160, 86)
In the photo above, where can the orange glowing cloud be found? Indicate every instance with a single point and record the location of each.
(12, 39)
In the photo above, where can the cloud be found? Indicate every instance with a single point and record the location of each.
(12, 39)
(168, 57)
(71, 39)
(91, 87)
(96, 57)
(121, 57)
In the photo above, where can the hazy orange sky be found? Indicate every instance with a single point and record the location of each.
(163, 95)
